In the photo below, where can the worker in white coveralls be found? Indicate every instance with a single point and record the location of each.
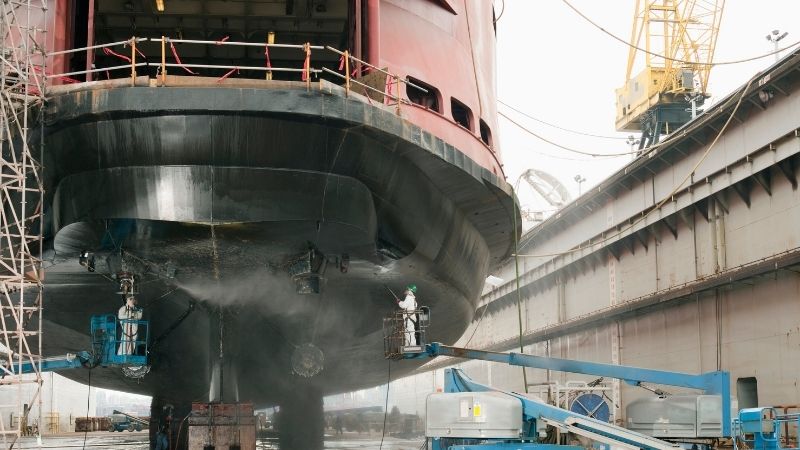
(130, 330)
(409, 306)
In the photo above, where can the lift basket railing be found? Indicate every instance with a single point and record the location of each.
(405, 333)
(121, 341)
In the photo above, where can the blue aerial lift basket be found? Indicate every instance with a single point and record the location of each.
(119, 342)
(115, 343)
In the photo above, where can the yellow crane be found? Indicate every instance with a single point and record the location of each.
(677, 40)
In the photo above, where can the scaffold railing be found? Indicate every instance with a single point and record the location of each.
(22, 85)
(132, 59)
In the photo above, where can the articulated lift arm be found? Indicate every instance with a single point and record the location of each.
(68, 361)
(110, 348)
(541, 414)
(711, 383)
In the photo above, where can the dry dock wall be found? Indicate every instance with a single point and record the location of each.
(687, 259)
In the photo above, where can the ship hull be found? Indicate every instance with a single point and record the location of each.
(208, 194)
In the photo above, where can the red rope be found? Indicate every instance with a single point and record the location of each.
(219, 42)
(178, 59)
(230, 72)
(369, 100)
(354, 73)
(266, 54)
(110, 52)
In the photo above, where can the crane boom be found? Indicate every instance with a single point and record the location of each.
(679, 38)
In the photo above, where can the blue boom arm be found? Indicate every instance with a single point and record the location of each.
(711, 383)
(540, 414)
(68, 361)
(110, 348)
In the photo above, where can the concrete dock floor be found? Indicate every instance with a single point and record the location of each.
(138, 441)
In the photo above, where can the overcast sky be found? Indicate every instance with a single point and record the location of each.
(558, 68)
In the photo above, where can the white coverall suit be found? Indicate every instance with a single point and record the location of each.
(129, 311)
(409, 305)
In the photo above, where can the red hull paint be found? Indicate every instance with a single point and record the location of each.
(423, 39)
(455, 53)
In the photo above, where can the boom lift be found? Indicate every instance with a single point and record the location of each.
(121, 421)
(760, 428)
(109, 348)
(470, 415)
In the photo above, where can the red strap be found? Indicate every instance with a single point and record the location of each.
(266, 54)
(178, 59)
(110, 52)
(230, 72)
(354, 72)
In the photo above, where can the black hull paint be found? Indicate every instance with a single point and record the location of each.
(153, 169)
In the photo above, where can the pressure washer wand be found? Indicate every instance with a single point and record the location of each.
(392, 292)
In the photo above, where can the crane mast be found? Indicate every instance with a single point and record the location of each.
(678, 38)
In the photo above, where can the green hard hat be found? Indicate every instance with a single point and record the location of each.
(412, 288)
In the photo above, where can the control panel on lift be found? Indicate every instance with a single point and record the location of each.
(763, 429)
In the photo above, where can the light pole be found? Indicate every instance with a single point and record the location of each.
(579, 179)
(776, 37)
